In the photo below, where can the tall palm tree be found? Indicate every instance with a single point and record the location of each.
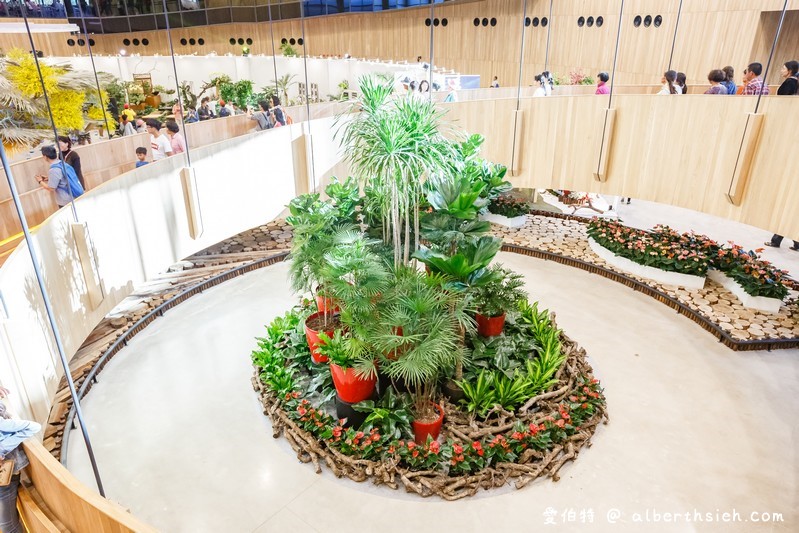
(392, 145)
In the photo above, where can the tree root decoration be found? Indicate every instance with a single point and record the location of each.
(462, 427)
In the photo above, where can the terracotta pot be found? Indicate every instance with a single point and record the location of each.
(350, 387)
(325, 304)
(423, 430)
(312, 336)
(490, 326)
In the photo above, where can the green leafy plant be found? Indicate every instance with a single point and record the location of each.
(500, 293)
(479, 393)
(287, 50)
(239, 92)
(392, 144)
(390, 415)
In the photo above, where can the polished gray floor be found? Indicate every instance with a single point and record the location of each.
(695, 428)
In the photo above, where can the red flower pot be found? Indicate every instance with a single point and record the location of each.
(490, 326)
(422, 430)
(350, 387)
(312, 336)
(325, 304)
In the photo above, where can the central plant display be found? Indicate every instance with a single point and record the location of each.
(444, 378)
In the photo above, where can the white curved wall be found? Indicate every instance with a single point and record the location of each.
(138, 225)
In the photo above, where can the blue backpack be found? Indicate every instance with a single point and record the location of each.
(75, 187)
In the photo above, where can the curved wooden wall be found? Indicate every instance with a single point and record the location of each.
(712, 33)
(71, 503)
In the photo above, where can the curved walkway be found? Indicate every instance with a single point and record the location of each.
(182, 442)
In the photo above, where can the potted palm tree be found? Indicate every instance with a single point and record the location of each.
(492, 299)
(427, 345)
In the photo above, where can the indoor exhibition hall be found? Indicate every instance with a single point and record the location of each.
(319, 266)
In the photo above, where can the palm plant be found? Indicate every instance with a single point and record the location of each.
(283, 84)
(392, 145)
(356, 278)
(415, 334)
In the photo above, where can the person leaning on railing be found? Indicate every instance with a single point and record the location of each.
(12, 434)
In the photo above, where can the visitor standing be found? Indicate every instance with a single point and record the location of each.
(177, 111)
(790, 85)
(277, 110)
(680, 85)
(602, 84)
(754, 85)
(176, 139)
(541, 90)
(128, 112)
(141, 156)
(60, 179)
(261, 118)
(71, 157)
(668, 79)
(716, 78)
(12, 434)
(729, 81)
(452, 96)
(126, 126)
(158, 142)
(495, 83)
(548, 82)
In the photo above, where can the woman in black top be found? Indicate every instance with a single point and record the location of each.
(791, 84)
(277, 109)
(70, 157)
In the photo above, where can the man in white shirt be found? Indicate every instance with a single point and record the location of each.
(159, 144)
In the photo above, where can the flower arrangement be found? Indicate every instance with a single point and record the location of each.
(690, 253)
(661, 248)
(758, 277)
(508, 206)
(453, 457)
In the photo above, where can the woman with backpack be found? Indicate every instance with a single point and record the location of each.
(71, 157)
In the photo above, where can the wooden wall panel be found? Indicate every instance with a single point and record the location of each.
(711, 34)
(678, 151)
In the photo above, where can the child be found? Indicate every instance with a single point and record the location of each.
(141, 155)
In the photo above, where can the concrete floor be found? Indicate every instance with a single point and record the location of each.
(695, 428)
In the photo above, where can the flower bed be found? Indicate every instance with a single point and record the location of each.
(690, 253)
(533, 440)
(665, 277)
(761, 303)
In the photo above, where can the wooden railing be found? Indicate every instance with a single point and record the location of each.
(58, 501)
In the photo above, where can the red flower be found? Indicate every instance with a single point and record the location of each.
(478, 449)
(337, 431)
(302, 410)
(533, 429)
(457, 449)
(435, 446)
(411, 445)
